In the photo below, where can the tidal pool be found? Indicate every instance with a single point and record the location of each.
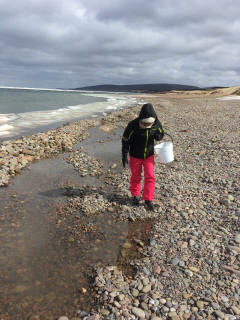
(40, 272)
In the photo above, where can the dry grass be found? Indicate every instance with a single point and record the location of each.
(219, 92)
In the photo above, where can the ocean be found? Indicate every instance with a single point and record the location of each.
(26, 111)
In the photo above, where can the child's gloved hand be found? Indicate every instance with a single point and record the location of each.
(124, 161)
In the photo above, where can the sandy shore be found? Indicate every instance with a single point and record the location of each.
(190, 266)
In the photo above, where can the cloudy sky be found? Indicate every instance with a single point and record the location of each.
(73, 43)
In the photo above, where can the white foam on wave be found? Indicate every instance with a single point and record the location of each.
(229, 98)
(23, 122)
(111, 108)
(40, 89)
(5, 129)
(4, 118)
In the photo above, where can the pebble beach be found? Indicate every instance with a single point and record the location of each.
(188, 266)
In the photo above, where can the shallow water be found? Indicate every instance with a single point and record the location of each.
(42, 271)
(24, 112)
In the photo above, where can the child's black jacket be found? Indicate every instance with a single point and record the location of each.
(140, 142)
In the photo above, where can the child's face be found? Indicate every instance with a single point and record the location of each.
(145, 124)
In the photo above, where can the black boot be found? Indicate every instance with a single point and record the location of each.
(136, 200)
(149, 205)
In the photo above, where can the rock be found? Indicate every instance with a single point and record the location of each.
(175, 261)
(173, 315)
(235, 310)
(138, 312)
(200, 304)
(191, 242)
(20, 289)
(224, 298)
(93, 317)
(163, 301)
(105, 312)
(215, 305)
(157, 269)
(145, 281)
(147, 288)
(220, 314)
(186, 295)
(193, 269)
(135, 292)
(237, 238)
(121, 297)
(63, 318)
(144, 306)
(140, 286)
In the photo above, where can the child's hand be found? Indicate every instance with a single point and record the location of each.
(124, 161)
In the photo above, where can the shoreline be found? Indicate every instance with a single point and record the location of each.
(16, 123)
(189, 268)
(18, 152)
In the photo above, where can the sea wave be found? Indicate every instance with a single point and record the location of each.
(22, 123)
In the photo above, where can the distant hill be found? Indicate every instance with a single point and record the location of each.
(155, 87)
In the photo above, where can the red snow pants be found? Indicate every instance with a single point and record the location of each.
(136, 165)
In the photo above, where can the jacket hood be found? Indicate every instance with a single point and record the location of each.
(147, 111)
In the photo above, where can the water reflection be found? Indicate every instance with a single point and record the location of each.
(43, 270)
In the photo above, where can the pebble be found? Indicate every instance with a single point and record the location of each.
(186, 295)
(105, 312)
(163, 301)
(237, 238)
(200, 304)
(220, 314)
(235, 310)
(193, 231)
(173, 315)
(135, 292)
(145, 281)
(147, 288)
(175, 261)
(138, 312)
(230, 197)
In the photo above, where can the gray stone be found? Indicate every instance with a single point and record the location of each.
(220, 314)
(215, 305)
(224, 299)
(147, 288)
(135, 292)
(144, 306)
(237, 238)
(175, 261)
(200, 304)
(105, 312)
(138, 312)
(235, 310)
(163, 301)
(145, 281)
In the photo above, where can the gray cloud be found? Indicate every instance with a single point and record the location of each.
(85, 42)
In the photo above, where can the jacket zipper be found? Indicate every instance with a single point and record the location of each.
(145, 150)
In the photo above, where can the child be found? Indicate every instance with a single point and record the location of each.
(138, 140)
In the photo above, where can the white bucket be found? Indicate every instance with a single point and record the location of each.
(164, 151)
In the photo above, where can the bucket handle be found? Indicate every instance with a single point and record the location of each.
(168, 135)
